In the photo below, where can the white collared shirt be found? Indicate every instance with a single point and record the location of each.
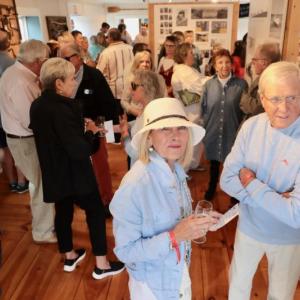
(19, 87)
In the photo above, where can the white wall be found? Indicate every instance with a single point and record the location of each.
(88, 21)
(89, 18)
(242, 27)
(41, 9)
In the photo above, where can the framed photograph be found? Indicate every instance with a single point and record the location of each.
(56, 25)
(202, 26)
(218, 26)
(202, 38)
(276, 25)
(181, 18)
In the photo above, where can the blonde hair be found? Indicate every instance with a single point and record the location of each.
(137, 60)
(279, 70)
(53, 69)
(143, 149)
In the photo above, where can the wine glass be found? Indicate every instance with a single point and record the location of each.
(99, 122)
(202, 210)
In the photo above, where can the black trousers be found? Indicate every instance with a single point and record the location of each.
(95, 218)
(214, 175)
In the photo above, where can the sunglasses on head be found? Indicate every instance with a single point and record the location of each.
(69, 57)
(134, 85)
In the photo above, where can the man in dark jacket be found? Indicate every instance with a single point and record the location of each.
(96, 99)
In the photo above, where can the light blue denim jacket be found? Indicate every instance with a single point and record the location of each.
(274, 156)
(144, 209)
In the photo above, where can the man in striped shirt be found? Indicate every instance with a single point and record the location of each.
(113, 61)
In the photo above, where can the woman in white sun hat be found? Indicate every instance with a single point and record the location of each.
(152, 224)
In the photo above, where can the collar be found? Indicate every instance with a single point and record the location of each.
(78, 75)
(166, 175)
(292, 130)
(225, 80)
(29, 74)
(115, 43)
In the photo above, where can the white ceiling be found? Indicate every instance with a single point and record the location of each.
(115, 2)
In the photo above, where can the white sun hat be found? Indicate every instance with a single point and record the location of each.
(166, 112)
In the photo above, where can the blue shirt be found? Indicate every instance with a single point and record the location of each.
(274, 156)
(145, 208)
(221, 115)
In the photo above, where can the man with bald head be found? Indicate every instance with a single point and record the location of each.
(264, 55)
(262, 171)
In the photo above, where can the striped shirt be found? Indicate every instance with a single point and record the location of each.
(112, 63)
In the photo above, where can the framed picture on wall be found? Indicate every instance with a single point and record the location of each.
(56, 25)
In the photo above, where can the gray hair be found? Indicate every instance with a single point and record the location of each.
(279, 70)
(33, 50)
(270, 51)
(137, 59)
(53, 69)
(70, 47)
(153, 84)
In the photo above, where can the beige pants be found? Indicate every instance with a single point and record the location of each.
(283, 268)
(140, 290)
(26, 159)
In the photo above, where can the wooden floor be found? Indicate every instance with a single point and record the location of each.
(31, 271)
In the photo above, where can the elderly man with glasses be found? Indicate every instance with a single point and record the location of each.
(19, 87)
(264, 55)
(96, 100)
(263, 173)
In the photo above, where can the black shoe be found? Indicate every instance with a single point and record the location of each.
(116, 267)
(71, 264)
(13, 187)
(22, 188)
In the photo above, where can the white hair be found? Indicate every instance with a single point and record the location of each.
(33, 50)
(279, 70)
(53, 69)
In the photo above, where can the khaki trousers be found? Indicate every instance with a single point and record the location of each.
(26, 159)
(283, 268)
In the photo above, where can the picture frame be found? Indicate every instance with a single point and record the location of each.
(56, 25)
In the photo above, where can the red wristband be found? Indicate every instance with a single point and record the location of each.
(174, 244)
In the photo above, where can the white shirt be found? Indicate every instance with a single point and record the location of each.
(112, 62)
(18, 88)
(140, 38)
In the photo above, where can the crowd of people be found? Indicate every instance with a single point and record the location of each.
(170, 113)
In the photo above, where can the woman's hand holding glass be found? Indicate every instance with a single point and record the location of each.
(191, 228)
(91, 126)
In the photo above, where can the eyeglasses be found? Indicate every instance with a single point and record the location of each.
(169, 46)
(69, 57)
(288, 99)
(134, 86)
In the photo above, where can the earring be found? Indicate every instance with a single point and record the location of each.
(151, 149)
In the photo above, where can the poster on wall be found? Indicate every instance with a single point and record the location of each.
(211, 24)
(266, 24)
(56, 26)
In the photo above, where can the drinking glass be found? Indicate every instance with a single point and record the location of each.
(202, 210)
(99, 122)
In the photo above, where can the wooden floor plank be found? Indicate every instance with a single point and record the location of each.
(31, 271)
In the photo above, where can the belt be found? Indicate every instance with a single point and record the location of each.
(12, 136)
